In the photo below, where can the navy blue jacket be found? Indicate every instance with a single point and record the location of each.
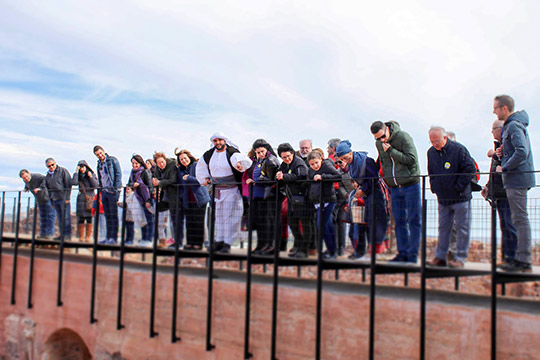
(115, 173)
(200, 192)
(517, 153)
(453, 158)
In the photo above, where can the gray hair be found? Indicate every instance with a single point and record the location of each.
(334, 142)
(434, 128)
(451, 135)
(310, 142)
(49, 159)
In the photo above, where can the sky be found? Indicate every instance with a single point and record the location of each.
(142, 76)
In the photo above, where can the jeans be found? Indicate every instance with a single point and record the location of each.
(110, 208)
(381, 220)
(517, 199)
(46, 219)
(358, 235)
(509, 232)
(406, 210)
(63, 209)
(147, 231)
(177, 221)
(460, 214)
(130, 231)
(328, 228)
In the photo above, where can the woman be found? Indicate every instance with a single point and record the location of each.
(87, 181)
(166, 178)
(291, 172)
(141, 180)
(194, 200)
(263, 197)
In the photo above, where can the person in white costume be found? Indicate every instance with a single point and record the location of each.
(223, 166)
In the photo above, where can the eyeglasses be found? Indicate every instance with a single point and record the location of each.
(497, 107)
(51, 165)
(381, 137)
(339, 162)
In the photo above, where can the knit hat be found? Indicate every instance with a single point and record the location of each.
(343, 148)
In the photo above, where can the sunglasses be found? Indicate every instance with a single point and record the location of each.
(381, 137)
(51, 165)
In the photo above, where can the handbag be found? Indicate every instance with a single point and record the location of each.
(88, 199)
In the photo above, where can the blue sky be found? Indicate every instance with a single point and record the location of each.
(138, 76)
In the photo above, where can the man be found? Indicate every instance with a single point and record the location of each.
(517, 168)
(341, 193)
(223, 166)
(35, 183)
(58, 184)
(494, 191)
(450, 167)
(306, 146)
(399, 159)
(110, 184)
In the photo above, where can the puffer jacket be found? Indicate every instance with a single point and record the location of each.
(517, 153)
(400, 161)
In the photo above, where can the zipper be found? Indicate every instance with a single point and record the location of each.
(393, 171)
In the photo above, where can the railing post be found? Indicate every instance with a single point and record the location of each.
(94, 258)
(15, 250)
(62, 223)
(119, 325)
(32, 253)
(493, 280)
(209, 345)
(320, 265)
(176, 237)
(373, 271)
(27, 224)
(277, 238)
(153, 333)
(423, 274)
(2, 216)
(247, 354)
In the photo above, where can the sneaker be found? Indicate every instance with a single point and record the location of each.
(103, 242)
(412, 260)
(456, 264)
(217, 245)
(298, 255)
(516, 266)
(355, 256)
(329, 256)
(144, 243)
(366, 257)
(128, 242)
(225, 248)
(399, 258)
(341, 251)
(437, 262)
(111, 241)
(170, 242)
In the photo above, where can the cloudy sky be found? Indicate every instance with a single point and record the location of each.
(138, 76)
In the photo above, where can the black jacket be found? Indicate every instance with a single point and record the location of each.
(495, 184)
(59, 184)
(327, 172)
(269, 168)
(293, 173)
(453, 158)
(168, 182)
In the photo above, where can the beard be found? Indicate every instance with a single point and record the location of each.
(220, 147)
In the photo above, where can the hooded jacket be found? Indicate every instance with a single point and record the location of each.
(517, 153)
(400, 161)
(87, 183)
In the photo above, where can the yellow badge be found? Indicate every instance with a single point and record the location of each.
(447, 165)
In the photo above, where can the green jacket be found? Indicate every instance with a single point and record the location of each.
(400, 161)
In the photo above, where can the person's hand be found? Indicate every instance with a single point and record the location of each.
(77, 169)
(67, 201)
(490, 153)
(148, 205)
(206, 182)
(360, 193)
(386, 146)
(249, 181)
(279, 175)
(499, 151)
(155, 182)
(239, 166)
(136, 185)
(499, 169)
(185, 177)
(484, 192)
(35, 191)
(317, 177)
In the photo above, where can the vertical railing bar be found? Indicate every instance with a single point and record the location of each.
(493, 280)
(373, 272)
(247, 354)
(94, 259)
(29, 304)
(320, 264)
(62, 223)
(153, 333)
(2, 216)
(119, 324)
(277, 238)
(423, 274)
(209, 345)
(174, 337)
(15, 249)
(27, 225)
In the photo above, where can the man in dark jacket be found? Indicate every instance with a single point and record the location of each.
(110, 183)
(35, 183)
(450, 167)
(494, 191)
(517, 168)
(399, 160)
(58, 183)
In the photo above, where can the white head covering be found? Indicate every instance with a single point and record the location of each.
(220, 135)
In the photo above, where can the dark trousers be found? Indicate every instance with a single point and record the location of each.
(264, 221)
(338, 216)
(177, 221)
(300, 220)
(130, 231)
(195, 224)
(110, 208)
(46, 219)
(327, 226)
(509, 232)
(148, 230)
(63, 214)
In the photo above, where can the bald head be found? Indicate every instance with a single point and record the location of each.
(496, 129)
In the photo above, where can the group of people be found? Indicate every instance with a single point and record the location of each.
(317, 195)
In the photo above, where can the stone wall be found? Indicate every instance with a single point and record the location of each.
(458, 325)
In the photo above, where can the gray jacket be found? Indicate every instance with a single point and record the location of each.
(517, 153)
(37, 182)
(59, 184)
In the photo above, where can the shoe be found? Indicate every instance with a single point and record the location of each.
(516, 266)
(329, 256)
(451, 256)
(128, 242)
(225, 248)
(456, 264)
(366, 257)
(355, 256)
(412, 260)
(187, 247)
(299, 255)
(269, 250)
(57, 238)
(257, 250)
(312, 252)
(217, 245)
(144, 243)
(341, 251)
(293, 250)
(103, 242)
(111, 241)
(399, 258)
(437, 262)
